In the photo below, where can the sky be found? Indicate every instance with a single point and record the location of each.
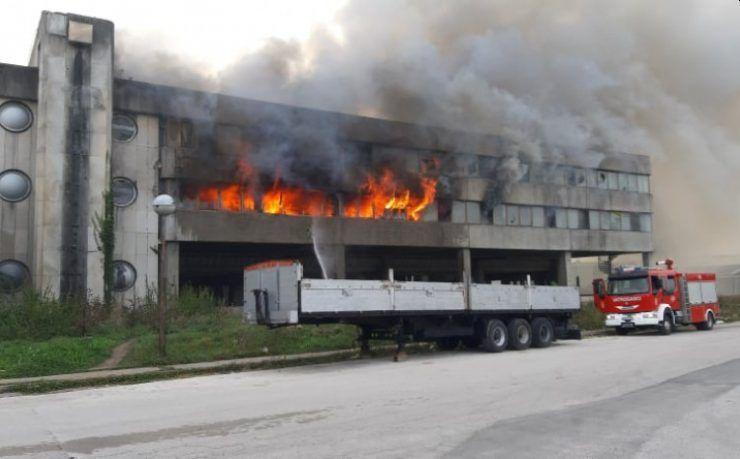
(214, 36)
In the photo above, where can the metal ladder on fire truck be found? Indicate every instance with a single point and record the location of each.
(685, 305)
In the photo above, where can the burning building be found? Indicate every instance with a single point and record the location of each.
(349, 196)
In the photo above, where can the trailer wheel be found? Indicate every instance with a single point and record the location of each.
(707, 324)
(520, 334)
(667, 326)
(496, 337)
(542, 332)
(449, 343)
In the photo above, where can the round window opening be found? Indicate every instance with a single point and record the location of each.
(124, 275)
(15, 116)
(124, 128)
(14, 185)
(13, 275)
(124, 191)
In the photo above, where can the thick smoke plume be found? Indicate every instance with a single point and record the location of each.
(558, 78)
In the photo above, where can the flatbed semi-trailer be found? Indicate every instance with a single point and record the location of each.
(493, 316)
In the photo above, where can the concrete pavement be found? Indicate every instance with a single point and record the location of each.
(645, 395)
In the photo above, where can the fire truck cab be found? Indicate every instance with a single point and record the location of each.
(657, 297)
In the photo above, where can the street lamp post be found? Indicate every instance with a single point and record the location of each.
(163, 205)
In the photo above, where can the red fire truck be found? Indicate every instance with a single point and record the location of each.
(657, 297)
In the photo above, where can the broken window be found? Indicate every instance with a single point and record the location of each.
(512, 215)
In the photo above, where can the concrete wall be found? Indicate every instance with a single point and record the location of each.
(136, 234)
(75, 67)
(214, 226)
(16, 218)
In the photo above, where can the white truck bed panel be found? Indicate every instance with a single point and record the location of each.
(289, 296)
(428, 296)
(331, 295)
(493, 297)
(554, 298)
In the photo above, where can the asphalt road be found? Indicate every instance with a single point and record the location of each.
(634, 396)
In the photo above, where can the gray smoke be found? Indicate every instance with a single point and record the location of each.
(558, 78)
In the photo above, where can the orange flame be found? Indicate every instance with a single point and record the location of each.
(386, 196)
(288, 200)
(381, 196)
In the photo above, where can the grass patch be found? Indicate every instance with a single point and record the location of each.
(729, 308)
(22, 358)
(588, 317)
(223, 335)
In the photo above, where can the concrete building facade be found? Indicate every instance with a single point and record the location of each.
(70, 131)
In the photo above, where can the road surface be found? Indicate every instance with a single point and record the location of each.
(635, 396)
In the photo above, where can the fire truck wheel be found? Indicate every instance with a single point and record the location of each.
(667, 326)
(542, 332)
(707, 324)
(520, 334)
(621, 331)
(448, 343)
(495, 338)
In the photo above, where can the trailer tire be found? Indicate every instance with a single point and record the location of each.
(667, 326)
(542, 332)
(520, 334)
(496, 336)
(449, 343)
(707, 324)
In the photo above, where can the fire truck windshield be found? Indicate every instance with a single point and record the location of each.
(628, 286)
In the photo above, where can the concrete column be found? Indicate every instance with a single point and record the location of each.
(466, 272)
(646, 258)
(74, 55)
(564, 273)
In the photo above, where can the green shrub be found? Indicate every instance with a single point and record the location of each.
(37, 315)
(589, 318)
(729, 308)
(194, 301)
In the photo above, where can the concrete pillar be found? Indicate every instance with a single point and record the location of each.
(646, 258)
(564, 274)
(466, 272)
(74, 56)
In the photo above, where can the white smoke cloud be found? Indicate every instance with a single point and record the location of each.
(562, 77)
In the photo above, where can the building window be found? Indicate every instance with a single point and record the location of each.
(499, 215)
(594, 219)
(512, 215)
(124, 192)
(550, 217)
(538, 217)
(124, 275)
(576, 219)
(15, 116)
(15, 186)
(646, 223)
(643, 184)
(124, 128)
(13, 275)
(525, 216)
